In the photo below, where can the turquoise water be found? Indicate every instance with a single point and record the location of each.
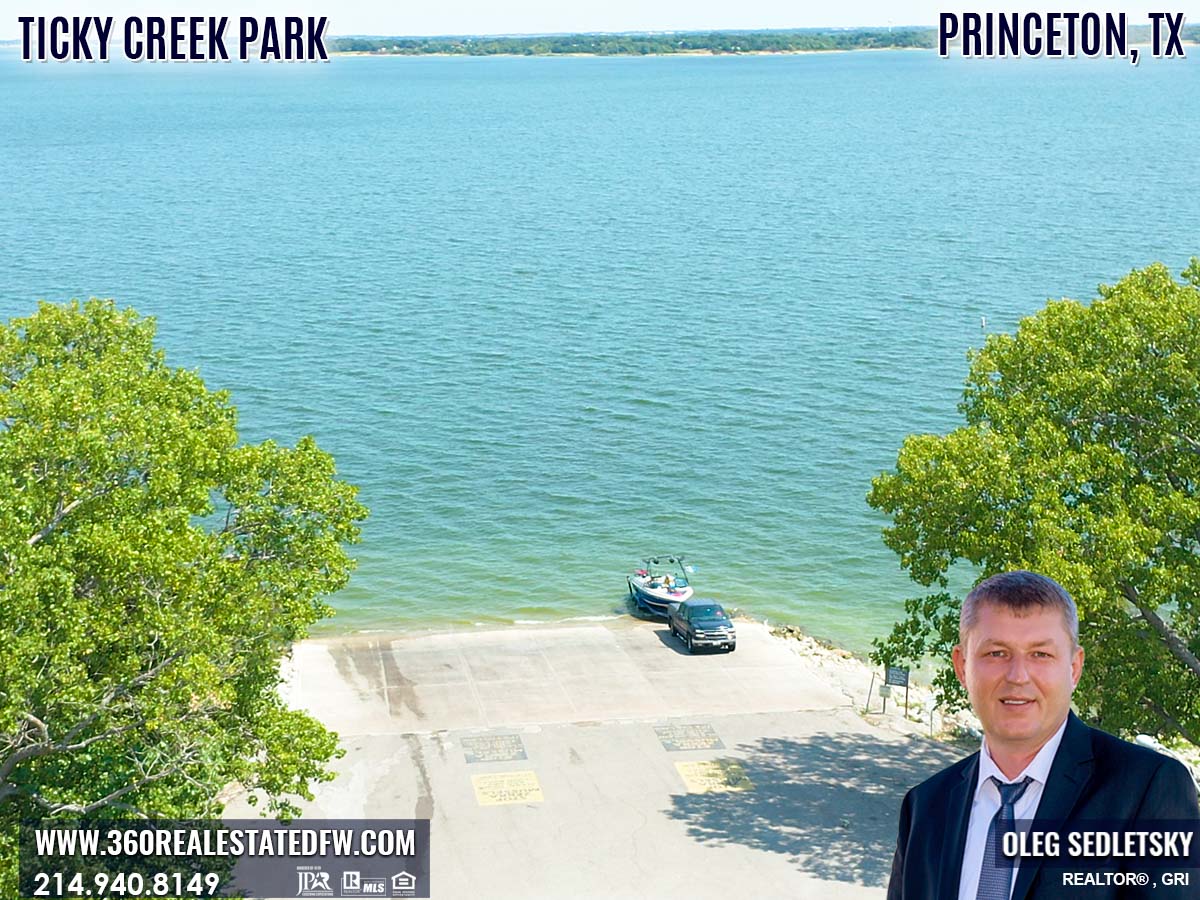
(554, 314)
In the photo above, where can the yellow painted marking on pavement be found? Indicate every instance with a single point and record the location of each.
(498, 788)
(708, 776)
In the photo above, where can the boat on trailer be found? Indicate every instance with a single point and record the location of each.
(661, 581)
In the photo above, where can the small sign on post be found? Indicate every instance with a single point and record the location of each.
(898, 676)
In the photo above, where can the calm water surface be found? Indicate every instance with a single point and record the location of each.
(554, 314)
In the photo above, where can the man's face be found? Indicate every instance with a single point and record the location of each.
(1019, 672)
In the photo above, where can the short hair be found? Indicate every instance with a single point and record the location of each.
(1021, 592)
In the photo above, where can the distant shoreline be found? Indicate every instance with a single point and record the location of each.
(712, 53)
(689, 53)
(634, 43)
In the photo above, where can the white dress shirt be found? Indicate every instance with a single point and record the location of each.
(987, 803)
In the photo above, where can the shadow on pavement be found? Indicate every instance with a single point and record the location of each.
(672, 643)
(830, 802)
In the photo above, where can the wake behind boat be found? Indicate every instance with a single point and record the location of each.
(663, 580)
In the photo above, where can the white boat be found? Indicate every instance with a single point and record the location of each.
(661, 581)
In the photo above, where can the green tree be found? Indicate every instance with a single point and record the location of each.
(152, 572)
(1079, 458)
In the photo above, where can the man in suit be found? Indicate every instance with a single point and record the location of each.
(1019, 659)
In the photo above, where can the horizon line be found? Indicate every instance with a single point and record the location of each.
(632, 31)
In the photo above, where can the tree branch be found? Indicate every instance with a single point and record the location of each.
(70, 742)
(37, 723)
(60, 513)
(83, 809)
(1190, 442)
(185, 757)
(47, 747)
(1170, 721)
(1174, 643)
(120, 690)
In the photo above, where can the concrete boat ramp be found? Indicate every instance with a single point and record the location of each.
(600, 760)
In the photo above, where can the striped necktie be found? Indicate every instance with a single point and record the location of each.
(995, 875)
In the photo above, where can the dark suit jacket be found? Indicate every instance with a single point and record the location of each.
(1095, 776)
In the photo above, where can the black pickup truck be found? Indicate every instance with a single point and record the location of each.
(702, 623)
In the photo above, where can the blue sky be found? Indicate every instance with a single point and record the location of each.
(543, 16)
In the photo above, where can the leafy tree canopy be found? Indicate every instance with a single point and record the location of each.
(1079, 458)
(152, 571)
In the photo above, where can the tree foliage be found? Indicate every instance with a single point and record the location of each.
(152, 571)
(1079, 458)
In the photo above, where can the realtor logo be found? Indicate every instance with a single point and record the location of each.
(404, 885)
(354, 885)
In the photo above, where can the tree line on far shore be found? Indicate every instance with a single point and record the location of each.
(647, 44)
(633, 44)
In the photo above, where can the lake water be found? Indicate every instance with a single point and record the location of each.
(553, 315)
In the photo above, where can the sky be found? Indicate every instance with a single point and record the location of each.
(381, 17)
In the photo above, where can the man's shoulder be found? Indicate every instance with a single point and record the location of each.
(937, 785)
(1111, 746)
(1125, 780)
(1113, 754)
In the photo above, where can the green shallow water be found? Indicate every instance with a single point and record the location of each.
(555, 314)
